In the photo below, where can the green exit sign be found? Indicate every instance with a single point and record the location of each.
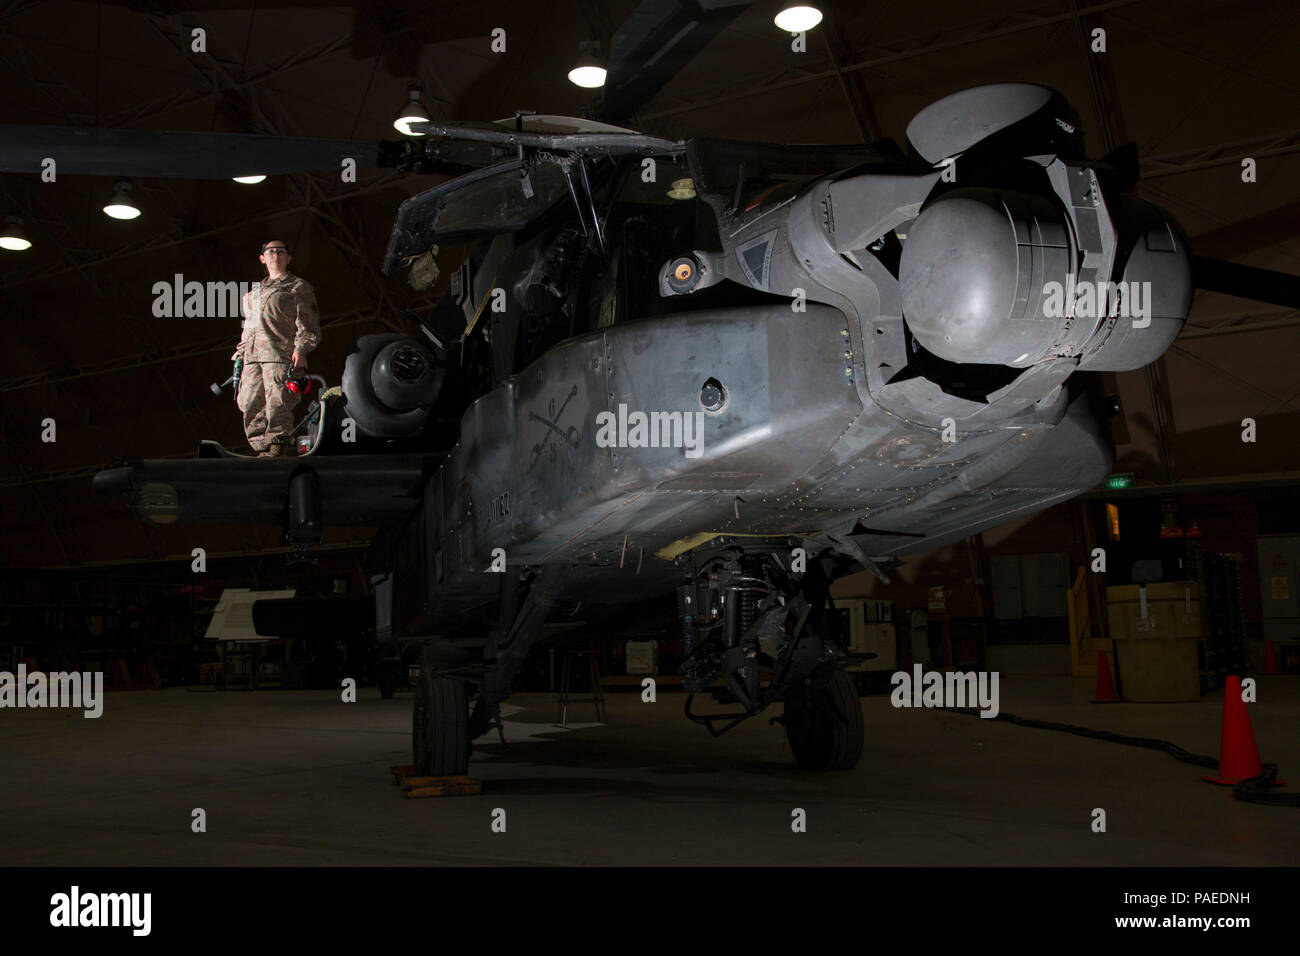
(1116, 482)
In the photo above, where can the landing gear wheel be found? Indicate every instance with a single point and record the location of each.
(440, 731)
(824, 724)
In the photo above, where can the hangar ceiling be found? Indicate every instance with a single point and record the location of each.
(1197, 85)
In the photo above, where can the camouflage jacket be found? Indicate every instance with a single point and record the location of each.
(280, 315)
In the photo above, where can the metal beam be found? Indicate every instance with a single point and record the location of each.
(1235, 379)
(266, 115)
(1221, 154)
(15, 7)
(1162, 411)
(837, 48)
(241, 221)
(1104, 107)
(81, 111)
(296, 58)
(933, 41)
(1267, 321)
(1239, 321)
(1093, 74)
(33, 203)
(47, 80)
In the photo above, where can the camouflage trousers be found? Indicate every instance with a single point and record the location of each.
(267, 405)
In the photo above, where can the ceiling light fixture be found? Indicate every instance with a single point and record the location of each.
(250, 180)
(120, 205)
(411, 112)
(589, 72)
(798, 19)
(14, 238)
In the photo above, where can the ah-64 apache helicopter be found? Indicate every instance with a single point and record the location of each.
(732, 371)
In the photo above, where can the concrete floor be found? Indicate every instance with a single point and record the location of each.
(294, 778)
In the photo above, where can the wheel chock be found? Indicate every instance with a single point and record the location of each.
(457, 785)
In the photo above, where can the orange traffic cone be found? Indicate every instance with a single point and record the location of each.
(1105, 692)
(1270, 661)
(1238, 755)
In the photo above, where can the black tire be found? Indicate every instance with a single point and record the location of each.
(440, 731)
(824, 724)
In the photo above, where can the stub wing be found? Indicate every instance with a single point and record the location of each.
(358, 490)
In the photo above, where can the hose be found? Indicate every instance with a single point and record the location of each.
(1257, 789)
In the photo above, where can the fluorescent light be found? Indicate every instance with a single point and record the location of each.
(798, 19)
(250, 180)
(14, 238)
(119, 205)
(410, 112)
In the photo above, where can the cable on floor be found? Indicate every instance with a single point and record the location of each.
(1257, 789)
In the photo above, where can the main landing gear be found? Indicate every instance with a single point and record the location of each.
(443, 725)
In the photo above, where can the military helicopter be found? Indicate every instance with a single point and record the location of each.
(729, 372)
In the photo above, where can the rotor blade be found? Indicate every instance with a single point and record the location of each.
(654, 43)
(171, 154)
(600, 142)
(1247, 282)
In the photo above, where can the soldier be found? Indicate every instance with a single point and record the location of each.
(281, 327)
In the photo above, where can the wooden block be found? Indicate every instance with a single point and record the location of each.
(409, 782)
(455, 786)
(404, 770)
(412, 781)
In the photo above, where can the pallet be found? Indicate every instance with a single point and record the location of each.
(458, 785)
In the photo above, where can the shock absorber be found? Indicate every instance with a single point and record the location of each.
(732, 611)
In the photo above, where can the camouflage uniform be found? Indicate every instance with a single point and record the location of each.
(280, 315)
